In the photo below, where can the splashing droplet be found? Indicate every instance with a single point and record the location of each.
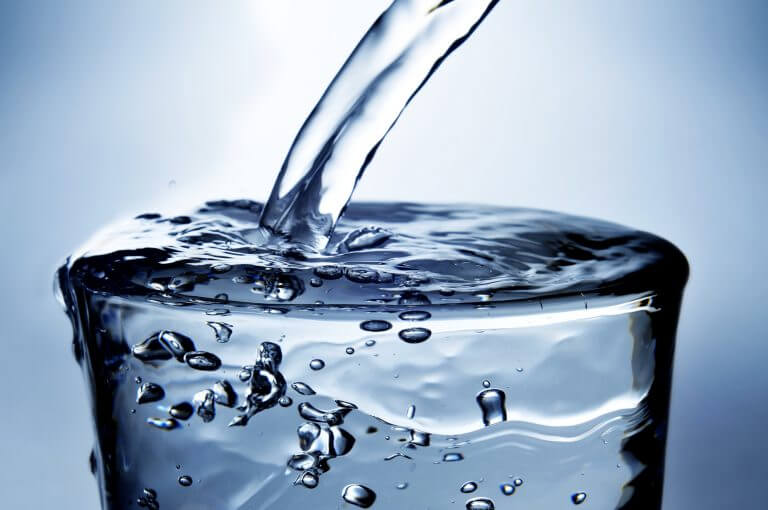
(469, 487)
(453, 457)
(410, 412)
(176, 344)
(350, 350)
(375, 325)
(518, 482)
(358, 495)
(370, 343)
(205, 402)
(285, 401)
(486, 384)
(309, 479)
(414, 335)
(401, 485)
(185, 481)
(317, 364)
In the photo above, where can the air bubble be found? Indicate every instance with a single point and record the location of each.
(185, 481)
(224, 394)
(486, 384)
(579, 498)
(415, 315)
(492, 404)
(469, 487)
(302, 389)
(202, 360)
(358, 495)
(163, 423)
(149, 392)
(375, 325)
(364, 238)
(222, 331)
(329, 272)
(309, 479)
(182, 411)
(317, 364)
(414, 335)
(370, 343)
(480, 504)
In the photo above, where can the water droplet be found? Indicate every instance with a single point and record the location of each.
(315, 282)
(410, 412)
(519, 369)
(518, 482)
(329, 272)
(480, 504)
(370, 343)
(175, 343)
(92, 462)
(413, 299)
(317, 364)
(453, 457)
(285, 401)
(469, 487)
(149, 392)
(309, 479)
(204, 400)
(364, 238)
(414, 335)
(375, 325)
(222, 331)
(302, 389)
(492, 404)
(218, 311)
(486, 384)
(202, 360)
(401, 485)
(182, 411)
(243, 279)
(358, 495)
(240, 420)
(308, 432)
(579, 498)
(163, 423)
(137, 380)
(349, 350)
(507, 489)
(224, 394)
(185, 481)
(415, 315)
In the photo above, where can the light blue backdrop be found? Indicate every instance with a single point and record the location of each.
(652, 114)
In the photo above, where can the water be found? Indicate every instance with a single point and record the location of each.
(401, 50)
(570, 322)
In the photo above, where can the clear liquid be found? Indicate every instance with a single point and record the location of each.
(340, 137)
(458, 359)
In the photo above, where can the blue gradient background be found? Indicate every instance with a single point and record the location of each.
(653, 114)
